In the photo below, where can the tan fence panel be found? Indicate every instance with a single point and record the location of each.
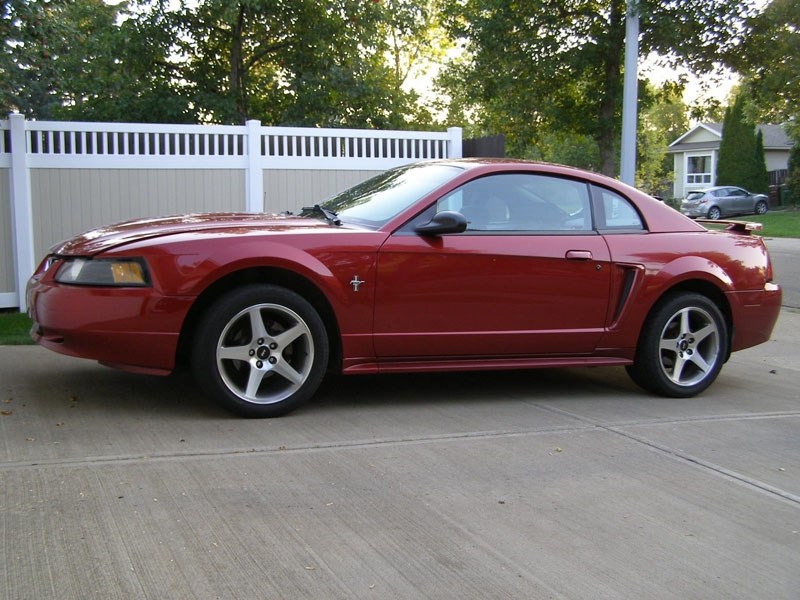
(292, 189)
(69, 201)
(7, 285)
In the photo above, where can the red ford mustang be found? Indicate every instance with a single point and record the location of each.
(454, 265)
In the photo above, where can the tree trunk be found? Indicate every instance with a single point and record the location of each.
(609, 113)
(238, 94)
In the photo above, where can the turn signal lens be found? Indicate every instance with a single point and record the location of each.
(127, 273)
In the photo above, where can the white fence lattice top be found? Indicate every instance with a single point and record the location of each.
(126, 145)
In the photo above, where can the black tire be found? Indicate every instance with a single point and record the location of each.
(261, 351)
(714, 213)
(761, 207)
(682, 347)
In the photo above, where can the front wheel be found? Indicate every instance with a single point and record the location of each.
(682, 347)
(261, 351)
(761, 207)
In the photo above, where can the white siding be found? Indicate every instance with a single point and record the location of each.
(679, 164)
(701, 135)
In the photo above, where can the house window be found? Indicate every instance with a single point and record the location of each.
(698, 169)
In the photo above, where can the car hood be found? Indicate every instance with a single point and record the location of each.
(104, 238)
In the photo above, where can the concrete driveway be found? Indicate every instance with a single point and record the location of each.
(544, 484)
(785, 255)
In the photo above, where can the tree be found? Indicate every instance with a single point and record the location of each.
(661, 122)
(300, 62)
(556, 64)
(793, 175)
(293, 62)
(760, 175)
(770, 61)
(414, 40)
(86, 60)
(34, 38)
(741, 154)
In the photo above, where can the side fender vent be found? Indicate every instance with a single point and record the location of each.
(628, 277)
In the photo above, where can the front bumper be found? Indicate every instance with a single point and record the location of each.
(134, 329)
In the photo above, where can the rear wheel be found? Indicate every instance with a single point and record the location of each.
(261, 351)
(682, 347)
(714, 213)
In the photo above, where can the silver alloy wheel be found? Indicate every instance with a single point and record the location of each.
(761, 208)
(689, 346)
(714, 213)
(265, 353)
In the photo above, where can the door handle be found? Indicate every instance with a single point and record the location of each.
(579, 255)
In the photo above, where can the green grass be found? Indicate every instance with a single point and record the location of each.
(778, 223)
(14, 328)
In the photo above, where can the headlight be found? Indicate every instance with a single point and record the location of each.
(104, 272)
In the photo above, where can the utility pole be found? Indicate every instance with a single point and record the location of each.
(630, 94)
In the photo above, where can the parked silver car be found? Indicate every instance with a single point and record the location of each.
(723, 201)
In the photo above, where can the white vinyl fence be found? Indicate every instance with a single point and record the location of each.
(60, 178)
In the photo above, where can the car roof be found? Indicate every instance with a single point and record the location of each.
(711, 189)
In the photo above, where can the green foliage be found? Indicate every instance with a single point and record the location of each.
(294, 62)
(258, 58)
(741, 159)
(88, 60)
(770, 61)
(793, 175)
(760, 174)
(660, 124)
(551, 64)
(546, 73)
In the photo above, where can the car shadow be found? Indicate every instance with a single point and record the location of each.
(539, 385)
(91, 387)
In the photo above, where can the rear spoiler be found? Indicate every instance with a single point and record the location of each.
(743, 227)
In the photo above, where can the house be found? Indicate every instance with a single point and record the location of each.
(695, 155)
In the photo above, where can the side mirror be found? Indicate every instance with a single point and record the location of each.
(447, 221)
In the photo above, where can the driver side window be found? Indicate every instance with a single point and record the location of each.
(517, 202)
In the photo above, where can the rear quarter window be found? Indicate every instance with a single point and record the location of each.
(615, 213)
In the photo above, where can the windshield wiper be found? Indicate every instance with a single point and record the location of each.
(328, 214)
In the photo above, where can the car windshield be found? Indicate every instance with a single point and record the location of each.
(379, 199)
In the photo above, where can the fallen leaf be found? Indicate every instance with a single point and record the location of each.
(6, 413)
